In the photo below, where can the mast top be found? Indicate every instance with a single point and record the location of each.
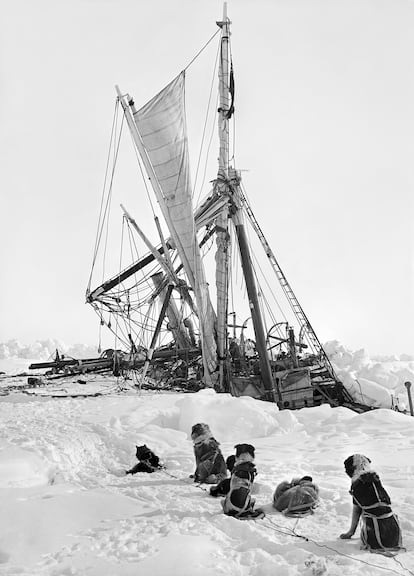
(225, 19)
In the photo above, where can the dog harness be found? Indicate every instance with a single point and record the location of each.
(238, 500)
(368, 513)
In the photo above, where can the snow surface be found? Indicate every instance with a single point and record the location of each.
(67, 508)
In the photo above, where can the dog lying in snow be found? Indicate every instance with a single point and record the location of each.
(238, 501)
(210, 465)
(148, 461)
(297, 497)
(380, 528)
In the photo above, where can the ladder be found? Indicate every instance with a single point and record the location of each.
(327, 375)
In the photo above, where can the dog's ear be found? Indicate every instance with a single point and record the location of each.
(349, 465)
(251, 449)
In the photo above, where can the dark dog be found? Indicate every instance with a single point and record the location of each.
(380, 528)
(223, 487)
(148, 461)
(210, 465)
(297, 498)
(238, 501)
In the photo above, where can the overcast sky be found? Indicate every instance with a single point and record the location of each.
(325, 127)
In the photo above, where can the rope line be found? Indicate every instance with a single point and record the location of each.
(202, 49)
(286, 531)
(100, 218)
(292, 532)
(205, 128)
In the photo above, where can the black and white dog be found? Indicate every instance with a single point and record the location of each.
(223, 487)
(148, 461)
(380, 527)
(238, 501)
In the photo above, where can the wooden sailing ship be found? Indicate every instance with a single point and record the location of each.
(173, 310)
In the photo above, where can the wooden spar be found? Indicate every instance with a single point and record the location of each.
(259, 332)
(224, 96)
(222, 236)
(173, 314)
(163, 243)
(164, 261)
(292, 347)
(161, 260)
(119, 278)
(222, 224)
(157, 330)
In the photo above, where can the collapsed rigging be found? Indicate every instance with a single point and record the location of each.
(160, 305)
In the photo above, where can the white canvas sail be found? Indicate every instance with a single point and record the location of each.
(162, 126)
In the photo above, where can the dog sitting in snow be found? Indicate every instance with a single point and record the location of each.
(380, 528)
(223, 487)
(238, 501)
(210, 465)
(148, 461)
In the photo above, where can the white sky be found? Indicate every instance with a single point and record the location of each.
(325, 124)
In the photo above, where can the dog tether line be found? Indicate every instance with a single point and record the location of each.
(292, 532)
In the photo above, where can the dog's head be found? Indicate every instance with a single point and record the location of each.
(143, 452)
(244, 449)
(305, 479)
(356, 464)
(200, 429)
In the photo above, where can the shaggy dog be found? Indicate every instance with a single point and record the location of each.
(296, 498)
(210, 465)
(238, 501)
(380, 529)
(148, 461)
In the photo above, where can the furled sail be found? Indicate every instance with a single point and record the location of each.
(161, 124)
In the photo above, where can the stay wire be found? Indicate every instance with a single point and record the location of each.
(201, 50)
(109, 201)
(207, 153)
(205, 124)
(100, 218)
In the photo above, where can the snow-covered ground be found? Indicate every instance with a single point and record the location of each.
(67, 508)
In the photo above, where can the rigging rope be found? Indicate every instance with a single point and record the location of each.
(207, 153)
(205, 125)
(108, 204)
(100, 218)
(202, 49)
